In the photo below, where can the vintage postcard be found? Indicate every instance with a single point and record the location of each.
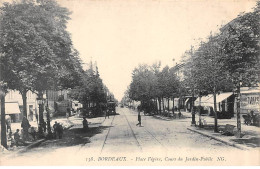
(130, 82)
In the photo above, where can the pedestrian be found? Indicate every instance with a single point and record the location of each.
(68, 113)
(139, 119)
(25, 125)
(59, 130)
(44, 126)
(107, 114)
(17, 138)
(85, 123)
(32, 132)
(8, 123)
(10, 140)
(179, 114)
(55, 126)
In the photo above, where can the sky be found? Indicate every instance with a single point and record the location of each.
(121, 34)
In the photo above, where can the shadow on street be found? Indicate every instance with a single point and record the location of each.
(73, 137)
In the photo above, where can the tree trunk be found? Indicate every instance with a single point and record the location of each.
(200, 125)
(160, 109)
(168, 104)
(40, 96)
(215, 111)
(193, 122)
(48, 115)
(173, 108)
(3, 124)
(163, 104)
(156, 104)
(24, 92)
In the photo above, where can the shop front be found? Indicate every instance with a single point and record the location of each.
(12, 109)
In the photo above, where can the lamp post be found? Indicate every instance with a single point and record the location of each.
(40, 103)
(193, 122)
(238, 86)
(48, 117)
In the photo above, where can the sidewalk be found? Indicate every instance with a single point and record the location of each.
(66, 123)
(250, 134)
(71, 122)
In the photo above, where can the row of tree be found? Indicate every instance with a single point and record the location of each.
(150, 85)
(224, 62)
(93, 94)
(37, 54)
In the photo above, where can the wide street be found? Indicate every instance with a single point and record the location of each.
(119, 136)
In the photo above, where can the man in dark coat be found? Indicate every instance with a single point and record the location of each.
(85, 123)
(139, 119)
(59, 130)
(107, 113)
(25, 125)
(55, 126)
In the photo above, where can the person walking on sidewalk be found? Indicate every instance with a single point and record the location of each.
(85, 123)
(139, 119)
(107, 114)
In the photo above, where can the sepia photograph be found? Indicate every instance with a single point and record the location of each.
(130, 82)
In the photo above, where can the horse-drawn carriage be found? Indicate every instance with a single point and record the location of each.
(252, 119)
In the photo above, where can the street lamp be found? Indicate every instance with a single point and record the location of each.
(48, 117)
(40, 103)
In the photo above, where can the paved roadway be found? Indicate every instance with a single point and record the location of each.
(119, 136)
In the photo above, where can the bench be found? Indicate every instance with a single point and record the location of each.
(229, 130)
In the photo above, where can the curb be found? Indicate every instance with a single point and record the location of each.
(169, 119)
(159, 117)
(38, 142)
(220, 140)
(31, 145)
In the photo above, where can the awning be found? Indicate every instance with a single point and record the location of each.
(250, 91)
(222, 96)
(187, 100)
(204, 100)
(12, 108)
(176, 101)
(209, 100)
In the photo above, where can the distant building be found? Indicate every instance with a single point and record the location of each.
(178, 69)
(14, 105)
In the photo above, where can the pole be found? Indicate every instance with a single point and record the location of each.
(48, 116)
(193, 122)
(3, 125)
(200, 125)
(40, 97)
(215, 111)
(238, 109)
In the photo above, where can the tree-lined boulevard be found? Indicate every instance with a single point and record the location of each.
(119, 136)
(37, 54)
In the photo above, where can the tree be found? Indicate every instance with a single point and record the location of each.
(37, 47)
(142, 87)
(241, 51)
(189, 78)
(208, 72)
